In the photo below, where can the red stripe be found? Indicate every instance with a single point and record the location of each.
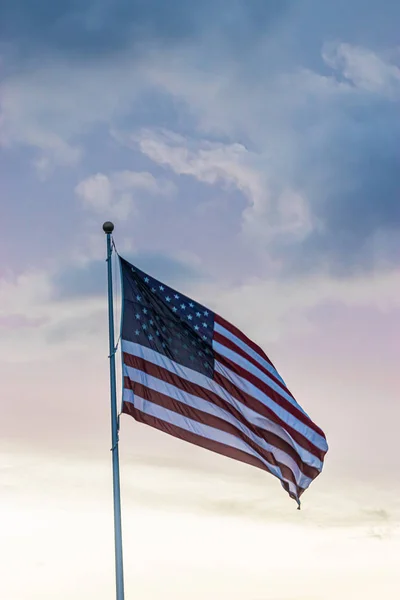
(224, 341)
(267, 412)
(239, 334)
(200, 392)
(197, 390)
(270, 392)
(197, 440)
(205, 418)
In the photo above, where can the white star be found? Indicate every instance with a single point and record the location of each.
(168, 299)
(137, 332)
(162, 288)
(153, 289)
(205, 325)
(206, 313)
(198, 314)
(138, 298)
(146, 280)
(144, 326)
(196, 327)
(145, 311)
(137, 316)
(183, 307)
(151, 322)
(174, 309)
(190, 317)
(176, 296)
(150, 337)
(191, 305)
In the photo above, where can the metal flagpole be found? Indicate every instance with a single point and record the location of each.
(108, 228)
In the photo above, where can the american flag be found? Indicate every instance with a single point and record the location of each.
(190, 373)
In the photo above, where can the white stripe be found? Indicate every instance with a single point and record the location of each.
(198, 403)
(205, 431)
(209, 384)
(258, 357)
(253, 417)
(248, 366)
(243, 384)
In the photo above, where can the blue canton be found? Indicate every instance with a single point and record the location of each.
(168, 322)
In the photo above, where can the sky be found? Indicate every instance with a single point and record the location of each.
(247, 152)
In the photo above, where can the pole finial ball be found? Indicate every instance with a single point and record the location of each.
(108, 227)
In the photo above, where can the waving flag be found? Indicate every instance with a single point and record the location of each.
(190, 373)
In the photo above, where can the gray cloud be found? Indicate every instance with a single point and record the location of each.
(331, 137)
(91, 279)
(330, 134)
(91, 30)
(357, 198)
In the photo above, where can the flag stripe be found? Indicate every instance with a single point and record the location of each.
(174, 398)
(252, 411)
(265, 362)
(262, 409)
(283, 472)
(192, 438)
(242, 362)
(167, 418)
(261, 427)
(241, 336)
(260, 388)
(231, 345)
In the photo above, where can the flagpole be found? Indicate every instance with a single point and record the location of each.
(108, 228)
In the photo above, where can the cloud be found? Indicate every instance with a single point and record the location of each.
(365, 69)
(68, 68)
(90, 29)
(64, 311)
(20, 321)
(206, 161)
(113, 196)
(89, 279)
(307, 131)
(52, 498)
(322, 144)
(31, 318)
(232, 166)
(290, 300)
(49, 107)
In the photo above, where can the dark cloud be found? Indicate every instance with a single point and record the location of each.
(349, 175)
(93, 29)
(91, 280)
(72, 282)
(347, 167)
(362, 196)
